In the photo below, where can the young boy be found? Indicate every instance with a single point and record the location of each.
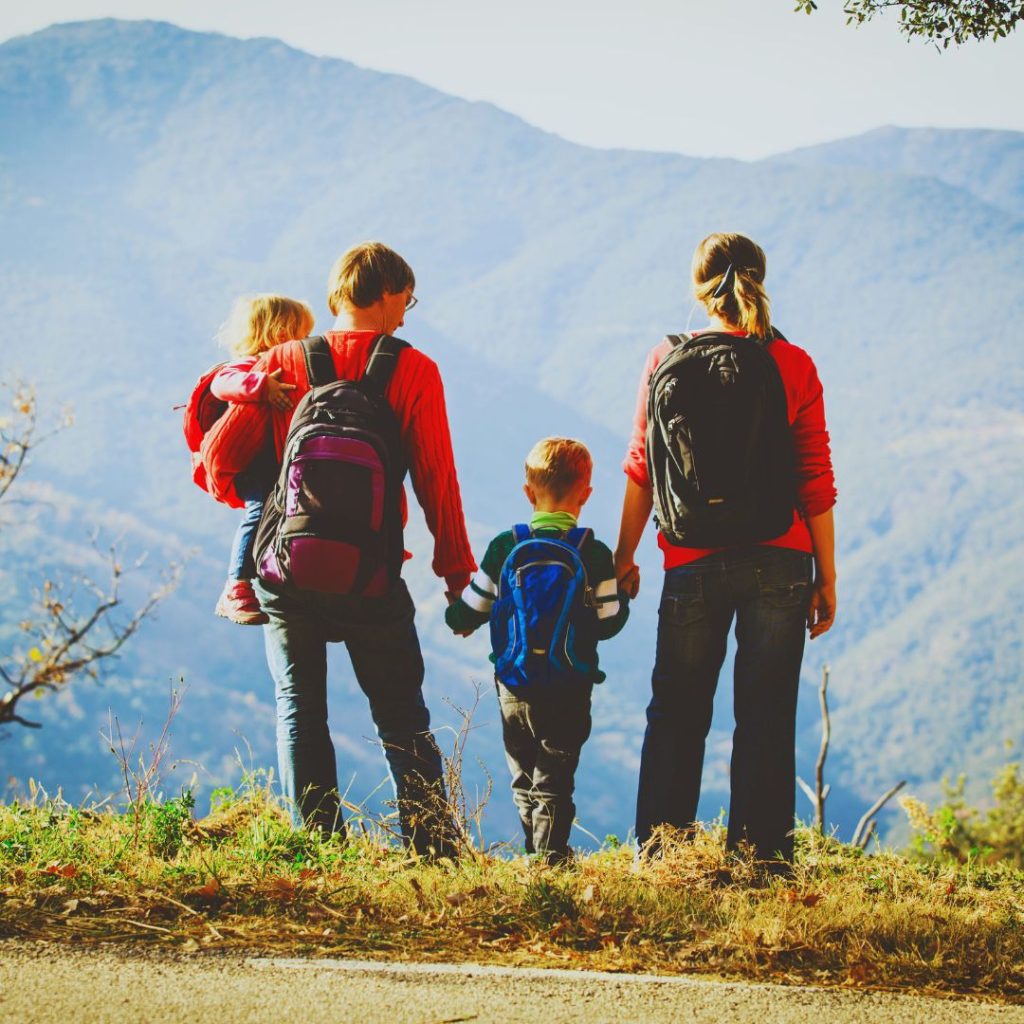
(547, 613)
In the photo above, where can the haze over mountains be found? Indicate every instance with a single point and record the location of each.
(148, 175)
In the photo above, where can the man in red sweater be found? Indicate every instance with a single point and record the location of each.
(369, 291)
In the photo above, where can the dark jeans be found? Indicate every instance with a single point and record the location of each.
(544, 734)
(381, 639)
(767, 590)
(252, 485)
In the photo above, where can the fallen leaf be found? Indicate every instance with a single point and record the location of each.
(70, 907)
(64, 870)
(860, 973)
(208, 891)
(283, 888)
(456, 899)
(808, 899)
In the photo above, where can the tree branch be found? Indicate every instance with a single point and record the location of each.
(862, 833)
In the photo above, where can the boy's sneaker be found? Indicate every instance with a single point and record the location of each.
(240, 604)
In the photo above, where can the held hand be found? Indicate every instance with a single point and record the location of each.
(821, 611)
(627, 572)
(452, 596)
(277, 392)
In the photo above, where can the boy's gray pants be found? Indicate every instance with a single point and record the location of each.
(544, 732)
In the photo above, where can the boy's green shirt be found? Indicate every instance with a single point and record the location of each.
(474, 609)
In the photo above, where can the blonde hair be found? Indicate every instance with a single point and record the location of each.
(556, 464)
(745, 303)
(363, 274)
(259, 322)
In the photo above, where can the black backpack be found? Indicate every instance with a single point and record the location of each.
(333, 522)
(719, 446)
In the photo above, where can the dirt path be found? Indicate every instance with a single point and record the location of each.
(56, 984)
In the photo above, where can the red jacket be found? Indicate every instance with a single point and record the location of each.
(417, 397)
(816, 490)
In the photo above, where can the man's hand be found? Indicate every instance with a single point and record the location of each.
(277, 393)
(821, 611)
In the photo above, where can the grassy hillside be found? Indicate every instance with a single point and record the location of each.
(240, 878)
(148, 175)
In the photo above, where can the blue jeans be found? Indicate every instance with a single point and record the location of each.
(252, 485)
(766, 590)
(381, 639)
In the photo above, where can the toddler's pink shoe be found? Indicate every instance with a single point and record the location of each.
(240, 604)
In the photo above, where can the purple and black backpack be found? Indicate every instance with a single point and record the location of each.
(333, 522)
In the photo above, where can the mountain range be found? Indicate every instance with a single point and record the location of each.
(149, 174)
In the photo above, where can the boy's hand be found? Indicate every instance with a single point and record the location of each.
(277, 392)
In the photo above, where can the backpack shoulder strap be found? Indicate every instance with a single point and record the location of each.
(521, 532)
(319, 361)
(578, 536)
(382, 362)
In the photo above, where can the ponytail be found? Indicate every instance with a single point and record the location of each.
(728, 278)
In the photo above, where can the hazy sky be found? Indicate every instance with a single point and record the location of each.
(717, 77)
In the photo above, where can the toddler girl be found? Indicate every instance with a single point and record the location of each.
(256, 323)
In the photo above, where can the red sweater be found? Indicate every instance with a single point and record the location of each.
(816, 491)
(417, 397)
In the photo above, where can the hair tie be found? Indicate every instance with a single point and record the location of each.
(728, 278)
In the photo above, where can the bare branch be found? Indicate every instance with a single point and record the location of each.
(862, 832)
(63, 643)
(821, 790)
(808, 792)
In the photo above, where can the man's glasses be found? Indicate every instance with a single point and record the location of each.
(412, 302)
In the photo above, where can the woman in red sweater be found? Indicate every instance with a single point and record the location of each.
(776, 589)
(370, 290)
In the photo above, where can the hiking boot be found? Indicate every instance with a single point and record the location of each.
(240, 604)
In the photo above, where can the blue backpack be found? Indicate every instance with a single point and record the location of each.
(544, 621)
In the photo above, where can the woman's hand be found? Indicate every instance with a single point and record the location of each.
(821, 612)
(627, 572)
(636, 510)
(277, 396)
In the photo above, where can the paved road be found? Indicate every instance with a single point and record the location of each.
(58, 984)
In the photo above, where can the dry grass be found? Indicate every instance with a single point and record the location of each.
(243, 878)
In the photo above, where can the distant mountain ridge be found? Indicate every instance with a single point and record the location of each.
(149, 174)
(987, 163)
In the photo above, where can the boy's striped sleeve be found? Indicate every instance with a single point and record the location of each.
(481, 592)
(473, 608)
